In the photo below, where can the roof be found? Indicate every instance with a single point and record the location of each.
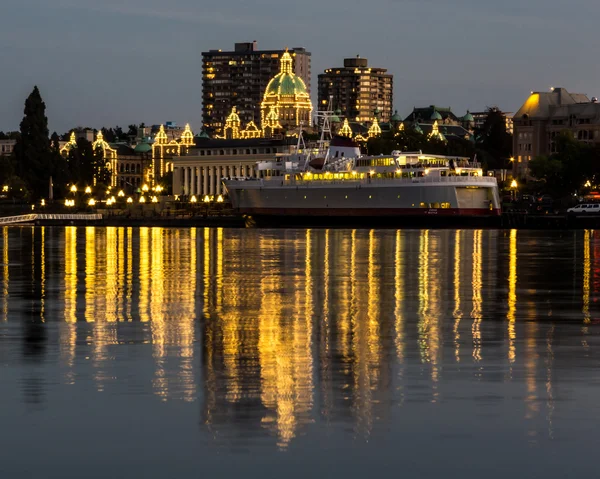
(540, 104)
(242, 143)
(122, 149)
(468, 117)
(143, 147)
(425, 114)
(286, 82)
(396, 117)
(448, 131)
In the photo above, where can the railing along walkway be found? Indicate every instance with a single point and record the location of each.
(9, 220)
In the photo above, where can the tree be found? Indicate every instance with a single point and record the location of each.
(32, 154)
(494, 140)
(133, 130)
(569, 168)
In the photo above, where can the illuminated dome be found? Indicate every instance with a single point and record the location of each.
(287, 94)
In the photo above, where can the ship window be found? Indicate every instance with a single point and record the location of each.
(346, 197)
(304, 197)
(435, 205)
(370, 196)
(423, 205)
(413, 204)
(445, 205)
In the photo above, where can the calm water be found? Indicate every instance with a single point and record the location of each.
(150, 352)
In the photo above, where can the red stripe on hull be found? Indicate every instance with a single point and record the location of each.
(368, 212)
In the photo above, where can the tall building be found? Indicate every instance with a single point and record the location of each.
(543, 116)
(239, 79)
(357, 90)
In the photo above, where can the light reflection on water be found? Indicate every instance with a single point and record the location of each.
(271, 333)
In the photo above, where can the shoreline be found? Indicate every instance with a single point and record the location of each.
(505, 221)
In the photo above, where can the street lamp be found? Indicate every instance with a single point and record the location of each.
(121, 193)
(92, 202)
(142, 199)
(145, 187)
(73, 189)
(88, 190)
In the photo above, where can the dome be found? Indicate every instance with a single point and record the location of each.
(436, 115)
(286, 83)
(143, 147)
(202, 135)
(335, 119)
(468, 117)
(396, 117)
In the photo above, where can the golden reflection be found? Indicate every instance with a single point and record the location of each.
(476, 312)
(512, 295)
(144, 275)
(5, 274)
(423, 324)
(110, 286)
(42, 273)
(587, 266)
(399, 297)
(457, 313)
(70, 291)
(90, 274)
(549, 388)
(129, 277)
(532, 406)
(157, 281)
(206, 273)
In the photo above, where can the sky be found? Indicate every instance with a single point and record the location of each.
(117, 62)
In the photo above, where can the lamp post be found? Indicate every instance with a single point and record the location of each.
(514, 186)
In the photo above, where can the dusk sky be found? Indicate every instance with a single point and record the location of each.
(116, 62)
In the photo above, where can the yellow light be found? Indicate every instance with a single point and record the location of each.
(145, 188)
(159, 188)
(112, 199)
(142, 199)
(193, 199)
(121, 193)
(512, 158)
(354, 173)
(219, 199)
(427, 171)
(206, 199)
(372, 172)
(43, 202)
(73, 189)
(154, 199)
(513, 184)
(5, 188)
(398, 171)
(587, 184)
(69, 202)
(129, 200)
(88, 190)
(92, 202)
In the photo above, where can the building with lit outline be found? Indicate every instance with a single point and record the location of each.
(239, 78)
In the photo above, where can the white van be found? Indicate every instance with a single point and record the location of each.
(586, 208)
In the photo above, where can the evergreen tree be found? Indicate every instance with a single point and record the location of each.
(494, 140)
(32, 155)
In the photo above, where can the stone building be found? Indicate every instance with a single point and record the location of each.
(543, 116)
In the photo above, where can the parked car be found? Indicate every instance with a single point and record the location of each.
(585, 208)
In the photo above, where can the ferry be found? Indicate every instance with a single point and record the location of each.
(345, 185)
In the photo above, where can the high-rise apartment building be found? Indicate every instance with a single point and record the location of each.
(357, 90)
(239, 78)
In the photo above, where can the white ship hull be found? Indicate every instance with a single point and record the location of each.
(447, 196)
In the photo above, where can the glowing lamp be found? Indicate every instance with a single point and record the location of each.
(193, 199)
(121, 193)
(43, 202)
(154, 199)
(130, 200)
(92, 202)
(142, 199)
(88, 190)
(219, 199)
(513, 184)
(73, 189)
(5, 188)
(145, 188)
(206, 199)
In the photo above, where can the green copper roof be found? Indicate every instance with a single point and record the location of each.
(335, 119)
(202, 134)
(468, 117)
(435, 115)
(143, 147)
(286, 84)
(396, 117)
(416, 127)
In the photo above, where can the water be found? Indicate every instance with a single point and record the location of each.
(151, 352)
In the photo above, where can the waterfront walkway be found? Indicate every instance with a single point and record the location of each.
(11, 220)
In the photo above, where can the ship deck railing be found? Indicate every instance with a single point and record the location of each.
(472, 180)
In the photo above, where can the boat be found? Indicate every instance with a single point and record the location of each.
(341, 185)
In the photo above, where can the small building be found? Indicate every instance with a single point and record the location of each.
(7, 147)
